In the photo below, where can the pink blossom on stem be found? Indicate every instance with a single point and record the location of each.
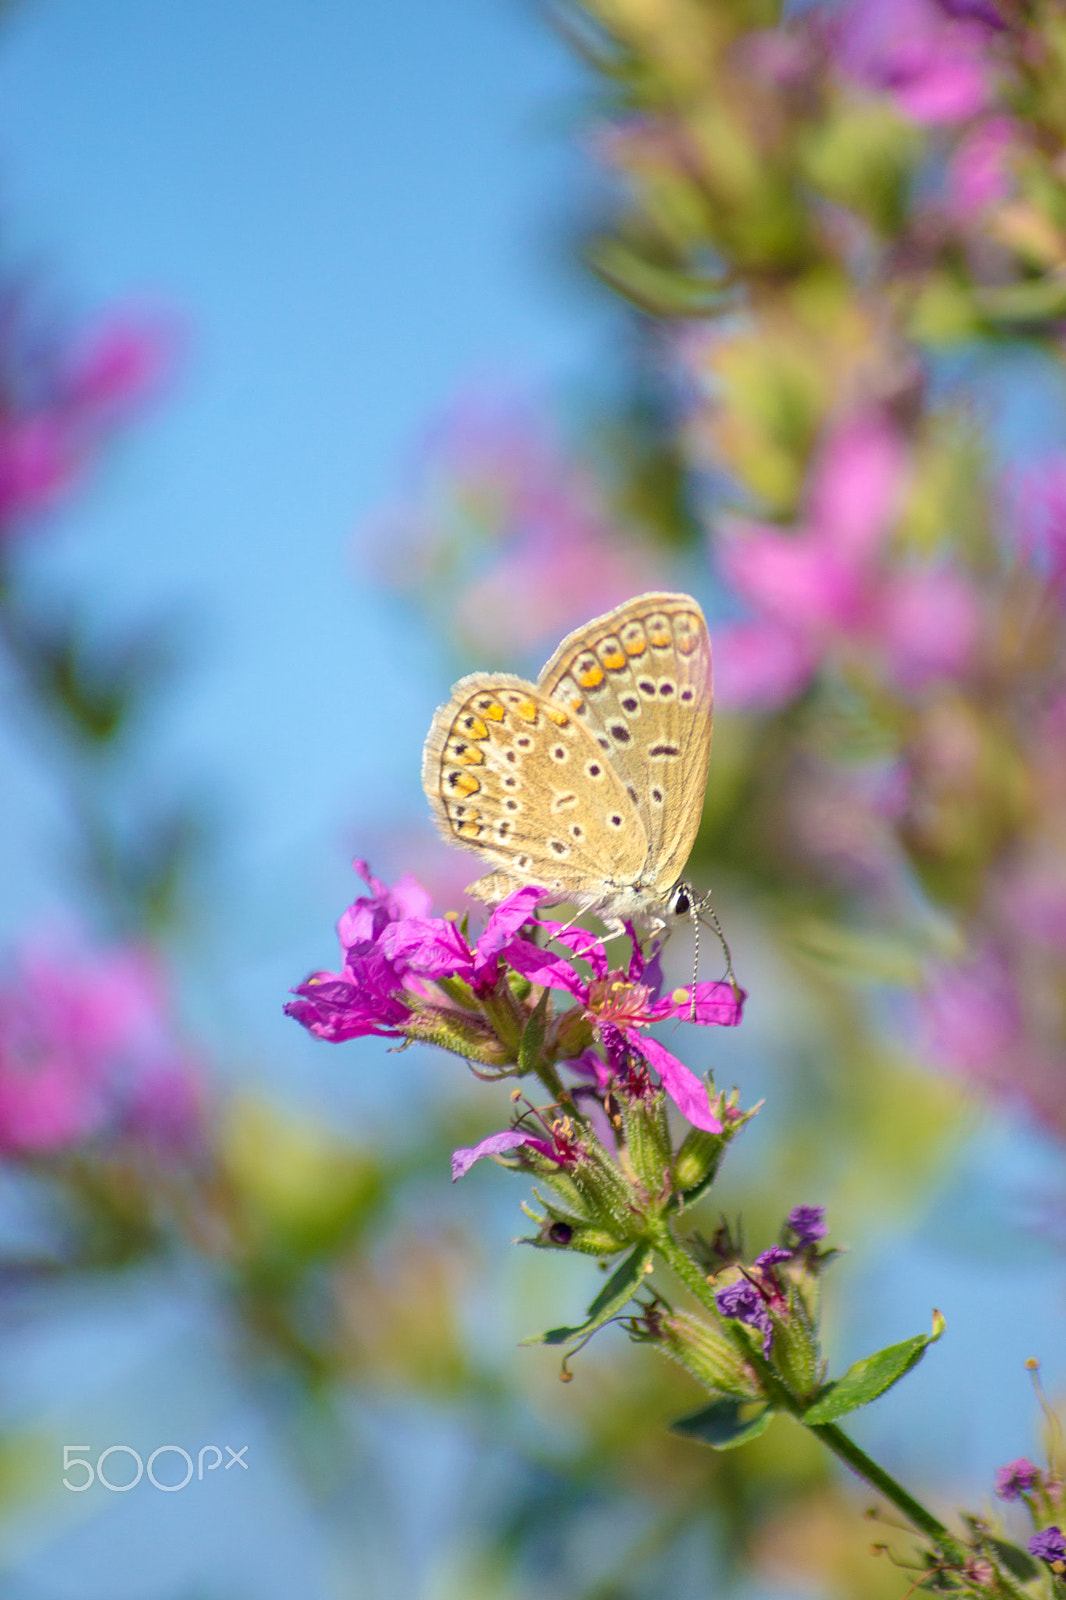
(61, 398)
(829, 585)
(978, 174)
(972, 1018)
(507, 538)
(931, 59)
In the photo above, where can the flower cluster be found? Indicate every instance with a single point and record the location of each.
(604, 1141)
(409, 975)
(87, 1054)
(62, 397)
(1042, 1493)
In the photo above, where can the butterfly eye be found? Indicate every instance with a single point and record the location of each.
(681, 902)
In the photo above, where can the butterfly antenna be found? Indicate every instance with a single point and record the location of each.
(695, 958)
(712, 922)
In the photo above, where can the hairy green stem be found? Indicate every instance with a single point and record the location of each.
(781, 1396)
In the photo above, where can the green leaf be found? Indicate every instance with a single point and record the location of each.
(1017, 1562)
(660, 290)
(620, 1287)
(725, 1423)
(1031, 300)
(867, 1379)
(529, 1050)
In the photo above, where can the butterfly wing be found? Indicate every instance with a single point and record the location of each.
(513, 776)
(638, 679)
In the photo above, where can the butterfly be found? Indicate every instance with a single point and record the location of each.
(589, 782)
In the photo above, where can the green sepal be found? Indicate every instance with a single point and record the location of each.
(866, 1380)
(647, 1137)
(533, 1034)
(620, 1287)
(725, 1423)
(1018, 1562)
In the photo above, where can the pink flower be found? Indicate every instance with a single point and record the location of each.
(621, 1007)
(978, 174)
(117, 364)
(972, 1017)
(61, 397)
(393, 953)
(38, 463)
(86, 1050)
(828, 584)
(395, 967)
(931, 60)
(510, 542)
(1038, 505)
(498, 1144)
(760, 664)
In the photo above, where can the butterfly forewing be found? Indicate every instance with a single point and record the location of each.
(515, 776)
(639, 680)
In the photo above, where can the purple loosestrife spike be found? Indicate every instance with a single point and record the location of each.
(1014, 1478)
(808, 1224)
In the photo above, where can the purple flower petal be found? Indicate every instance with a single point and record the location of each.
(539, 966)
(1048, 1544)
(584, 944)
(368, 917)
(771, 1257)
(716, 1003)
(495, 1145)
(808, 1224)
(688, 1092)
(432, 946)
(502, 927)
(1016, 1477)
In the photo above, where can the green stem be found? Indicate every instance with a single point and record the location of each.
(781, 1396)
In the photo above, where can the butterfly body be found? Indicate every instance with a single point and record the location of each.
(589, 782)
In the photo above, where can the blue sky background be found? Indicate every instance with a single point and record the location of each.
(356, 210)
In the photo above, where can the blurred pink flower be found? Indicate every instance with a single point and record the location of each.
(828, 583)
(118, 362)
(929, 625)
(60, 398)
(86, 1051)
(759, 665)
(931, 59)
(971, 1016)
(37, 464)
(978, 173)
(505, 540)
(1038, 506)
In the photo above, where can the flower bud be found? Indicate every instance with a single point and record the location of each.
(700, 1347)
(647, 1137)
(461, 1032)
(561, 1230)
(696, 1161)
